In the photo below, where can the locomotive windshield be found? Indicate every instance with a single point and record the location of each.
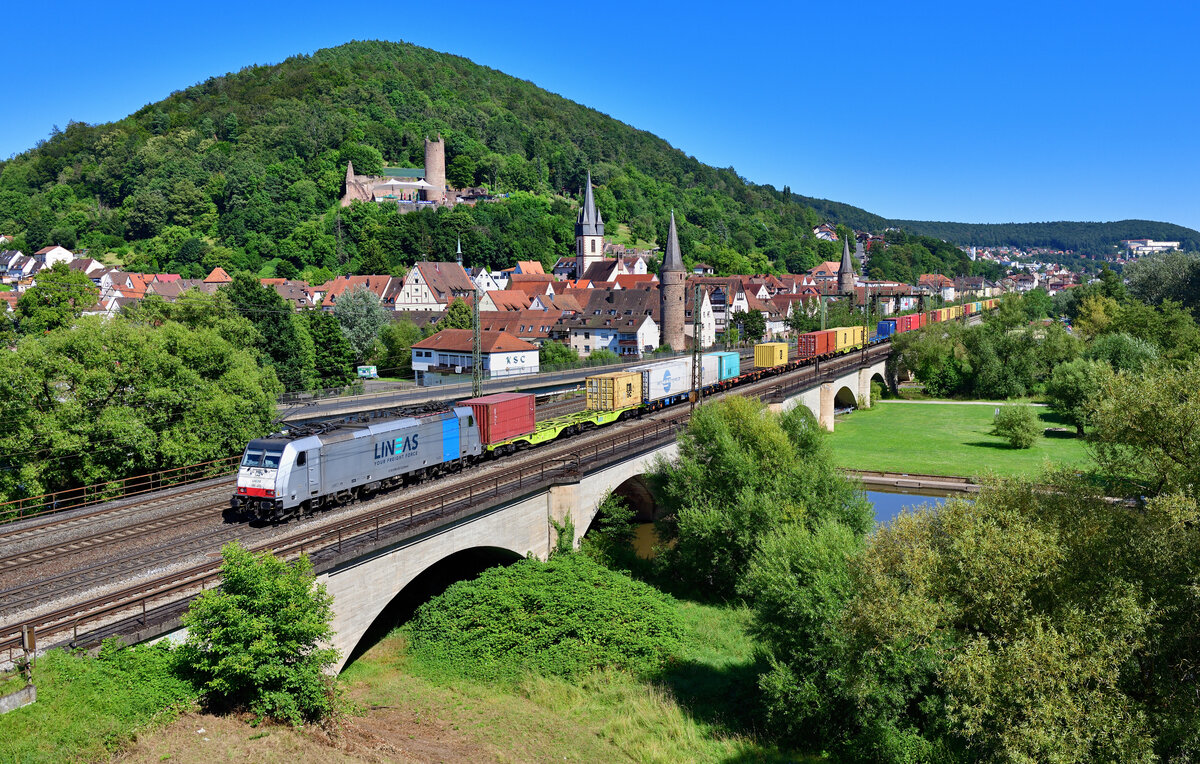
(256, 458)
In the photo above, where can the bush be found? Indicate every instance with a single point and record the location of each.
(255, 642)
(1018, 425)
(564, 617)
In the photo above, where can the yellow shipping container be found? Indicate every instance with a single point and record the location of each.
(770, 354)
(848, 337)
(614, 391)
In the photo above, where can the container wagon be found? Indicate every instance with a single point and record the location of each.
(768, 355)
(816, 344)
(729, 365)
(849, 337)
(665, 381)
(614, 391)
(887, 327)
(503, 416)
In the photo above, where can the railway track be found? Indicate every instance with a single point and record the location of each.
(397, 511)
(20, 530)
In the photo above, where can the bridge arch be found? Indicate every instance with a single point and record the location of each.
(639, 497)
(463, 565)
(845, 398)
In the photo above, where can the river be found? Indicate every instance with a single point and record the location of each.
(887, 505)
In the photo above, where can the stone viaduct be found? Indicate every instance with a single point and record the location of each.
(520, 524)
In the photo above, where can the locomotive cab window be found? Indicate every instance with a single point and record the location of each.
(302, 459)
(271, 460)
(252, 459)
(470, 421)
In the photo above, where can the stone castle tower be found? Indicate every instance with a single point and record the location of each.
(589, 233)
(846, 271)
(435, 170)
(672, 292)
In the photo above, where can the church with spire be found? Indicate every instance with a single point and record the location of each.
(672, 292)
(589, 233)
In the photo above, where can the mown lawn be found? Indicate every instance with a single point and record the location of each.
(950, 439)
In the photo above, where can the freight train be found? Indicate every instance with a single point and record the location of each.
(316, 466)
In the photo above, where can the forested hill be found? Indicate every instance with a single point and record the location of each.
(245, 170)
(1085, 238)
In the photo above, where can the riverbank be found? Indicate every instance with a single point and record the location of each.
(951, 439)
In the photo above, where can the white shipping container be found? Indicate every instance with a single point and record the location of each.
(665, 378)
(710, 369)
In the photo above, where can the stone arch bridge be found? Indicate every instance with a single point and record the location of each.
(516, 520)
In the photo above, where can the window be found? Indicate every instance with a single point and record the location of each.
(252, 459)
(271, 460)
(470, 421)
(593, 245)
(302, 459)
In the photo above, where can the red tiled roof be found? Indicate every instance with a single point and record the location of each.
(218, 276)
(509, 299)
(462, 340)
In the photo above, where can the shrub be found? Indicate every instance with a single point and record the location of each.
(1018, 425)
(255, 642)
(564, 617)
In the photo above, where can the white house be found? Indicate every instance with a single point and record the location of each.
(447, 357)
(707, 322)
(48, 256)
(432, 286)
(623, 335)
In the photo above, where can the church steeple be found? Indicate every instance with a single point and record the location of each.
(589, 222)
(846, 270)
(589, 233)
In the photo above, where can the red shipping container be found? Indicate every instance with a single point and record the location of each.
(817, 343)
(503, 415)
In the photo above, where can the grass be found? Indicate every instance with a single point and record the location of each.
(951, 439)
(89, 708)
(623, 235)
(701, 710)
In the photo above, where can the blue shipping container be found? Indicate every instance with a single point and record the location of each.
(886, 327)
(729, 366)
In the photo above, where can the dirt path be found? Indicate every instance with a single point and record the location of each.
(963, 403)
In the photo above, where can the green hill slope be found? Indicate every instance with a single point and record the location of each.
(245, 170)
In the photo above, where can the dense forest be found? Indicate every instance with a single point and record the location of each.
(1097, 239)
(245, 170)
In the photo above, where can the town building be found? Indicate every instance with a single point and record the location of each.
(432, 286)
(448, 355)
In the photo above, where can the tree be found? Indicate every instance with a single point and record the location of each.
(556, 355)
(742, 473)
(255, 643)
(1018, 425)
(1037, 304)
(398, 338)
(1146, 429)
(1074, 388)
(361, 317)
(1095, 314)
(119, 397)
(752, 324)
(59, 297)
(334, 361)
(1122, 352)
(944, 655)
(283, 334)
(458, 315)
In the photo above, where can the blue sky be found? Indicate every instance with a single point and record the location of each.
(975, 112)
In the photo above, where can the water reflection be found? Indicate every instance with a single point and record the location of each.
(887, 505)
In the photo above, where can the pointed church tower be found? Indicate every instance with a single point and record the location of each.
(589, 233)
(672, 293)
(846, 271)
